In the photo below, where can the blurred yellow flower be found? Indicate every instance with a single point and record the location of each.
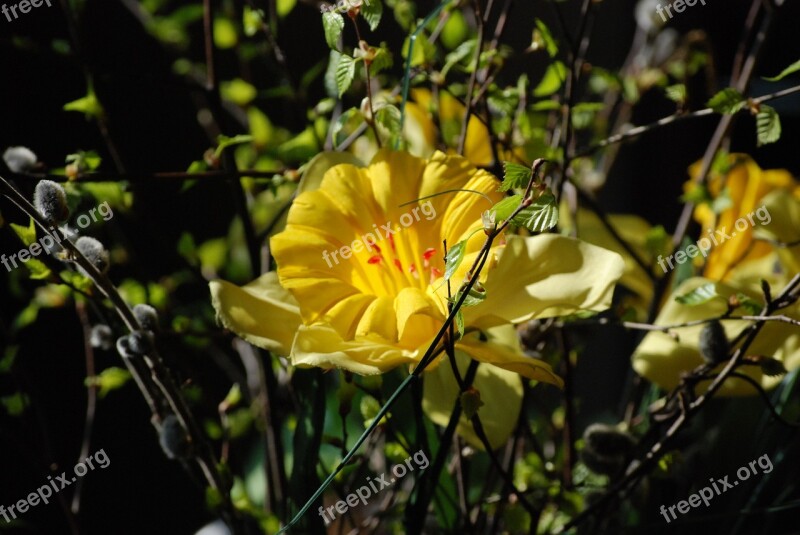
(744, 186)
(360, 285)
(740, 262)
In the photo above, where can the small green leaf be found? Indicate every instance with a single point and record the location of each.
(454, 258)
(238, 91)
(333, 24)
(793, 68)
(26, 234)
(551, 82)
(388, 118)
(727, 101)
(540, 216)
(38, 269)
(676, 93)
(503, 209)
(251, 21)
(752, 306)
(768, 125)
(88, 105)
(543, 37)
(656, 241)
(224, 33)
(345, 72)
(234, 396)
(459, 323)
(372, 10)
(382, 60)
(284, 7)
(515, 176)
(15, 404)
(698, 296)
(344, 124)
(109, 380)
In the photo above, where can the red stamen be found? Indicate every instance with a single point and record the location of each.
(374, 259)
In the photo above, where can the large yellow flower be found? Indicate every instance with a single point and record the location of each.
(360, 286)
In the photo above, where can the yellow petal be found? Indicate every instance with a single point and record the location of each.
(503, 349)
(632, 229)
(322, 346)
(500, 391)
(261, 312)
(662, 360)
(548, 275)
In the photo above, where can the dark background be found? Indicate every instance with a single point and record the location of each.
(153, 121)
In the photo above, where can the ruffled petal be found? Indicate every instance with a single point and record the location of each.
(322, 346)
(261, 312)
(548, 275)
(503, 349)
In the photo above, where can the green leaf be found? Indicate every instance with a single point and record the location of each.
(752, 306)
(26, 234)
(88, 105)
(793, 68)
(109, 380)
(388, 118)
(459, 323)
(540, 216)
(382, 60)
(454, 258)
(284, 7)
(86, 161)
(238, 91)
(551, 82)
(225, 33)
(676, 93)
(543, 37)
(698, 296)
(345, 124)
(515, 176)
(15, 403)
(372, 10)
(251, 21)
(333, 24)
(503, 209)
(727, 101)
(38, 269)
(656, 241)
(234, 396)
(768, 125)
(345, 72)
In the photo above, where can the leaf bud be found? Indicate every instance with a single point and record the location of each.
(713, 343)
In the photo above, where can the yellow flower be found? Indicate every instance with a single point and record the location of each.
(745, 184)
(741, 262)
(360, 286)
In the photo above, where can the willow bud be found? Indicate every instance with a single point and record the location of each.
(50, 200)
(94, 252)
(19, 159)
(147, 317)
(714, 344)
